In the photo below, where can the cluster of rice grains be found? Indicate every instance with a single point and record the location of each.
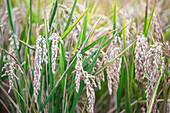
(10, 69)
(89, 81)
(54, 48)
(149, 64)
(97, 65)
(41, 55)
(37, 67)
(154, 64)
(11, 66)
(156, 29)
(113, 70)
(140, 52)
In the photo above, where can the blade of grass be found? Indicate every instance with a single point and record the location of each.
(29, 38)
(58, 20)
(131, 71)
(19, 100)
(12, 27)
(120, 86)
(2, 55)
(146, 17)
(114, 17)
(65, 97)
(92, 44)
(72, 26)
(79, 39)
(71, 93)
(84, 26)
(50, 67)
(127, 107)
(91, 32)
(49, 51)
(150, 18)
(57, 85)
(27, 49)
(71, 15)
(167, 33)
(127, 93)
(62, 68)
(62, 50)
(10, 16)
(53, 14)
(22, 37)
(154, 95)
(92, 12)
(91, 39)
(62, 60)
(124, 34)
(97, 54)
(77, 96)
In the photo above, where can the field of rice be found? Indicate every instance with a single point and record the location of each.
(85, 56)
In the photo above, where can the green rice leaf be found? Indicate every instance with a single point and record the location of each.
(72, 26)
(150, 18)
(97, 54)
(53, 14)
(84, 27)
(56, 86)
(114, 17)
(146, 17)
(154, 95)
(71, 15)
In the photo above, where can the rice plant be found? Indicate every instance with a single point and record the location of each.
(94, 56)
